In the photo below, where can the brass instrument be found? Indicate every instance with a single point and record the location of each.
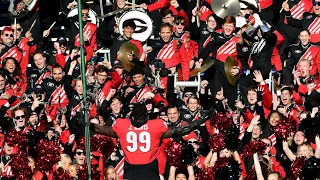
(25, 4)
(127, 52)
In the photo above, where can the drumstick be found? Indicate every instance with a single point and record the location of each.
(282, 8)
(34, 22)
(98, 51)
(52, 25)
(15, 30)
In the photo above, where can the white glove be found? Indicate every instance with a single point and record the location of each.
(257, 20)
(240, 21)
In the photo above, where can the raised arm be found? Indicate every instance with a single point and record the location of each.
(288, 152)
(105, 130)
(317, 152)
(257, 167)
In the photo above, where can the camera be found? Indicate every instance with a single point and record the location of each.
(158, 63)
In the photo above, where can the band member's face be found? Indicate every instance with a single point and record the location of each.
(181, 177)
(285, 97)
(149, 106)
(211, 23)
(138, 79)
(102, 76)
(186, 97)
(304, 151)
(195, 143)
(299, 138)
(78, 87)
(269, 145)
(80, 157)
(72, 171)
(10, 66)
(2, 82)
(19, 30)
(173, 115)
(228, 28)
(179, 26)
(85, 14)
(128, 31)
(121, 3)
(116, 106)
(256, 132)
(193, 104)
(274, 119)
(225, 153)
(252, 97)
(111, 174)
(63, 47)
(39, 60)
(8, 149)
(305, 68)
(304, 37)
(57, 74)
(7, 37)
(273, 177)
(165, 34)
(19, 118)
(168, 19)
(63, 122)
(33, 120)
(316, 7)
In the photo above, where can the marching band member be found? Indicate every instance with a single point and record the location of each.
(309, 20)
(297, 52)
(128, 28)
(222, 45)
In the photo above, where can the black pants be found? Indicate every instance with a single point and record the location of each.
(141, 172)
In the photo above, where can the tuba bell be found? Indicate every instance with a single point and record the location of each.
(21, 6)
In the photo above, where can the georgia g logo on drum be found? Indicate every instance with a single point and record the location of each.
(143, 24)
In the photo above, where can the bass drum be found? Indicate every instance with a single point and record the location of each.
(92, 15)
(143, 23)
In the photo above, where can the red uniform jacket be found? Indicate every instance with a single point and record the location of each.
(20, 55)
(265, 3)
(27, 52)
(204, 13)
(180, 12)
(172, 54)
(158, 5)
(275, 59)
(298, 9)
(140, 145)
(91, 44)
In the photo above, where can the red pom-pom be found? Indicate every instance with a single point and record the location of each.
(19, 166)
(216, 142)
(206, 174)
(174, 153)
(221, 162)
(17, 138)
(48, 155)
(255, 146)
(103, 144)
(82, 173)
(82, 143)
(251, 175)
(296, 167)
(221, 121)
(285, 128)
(60, 174)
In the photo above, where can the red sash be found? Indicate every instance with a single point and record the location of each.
(227, 49)
(59, 93)
(273, 139)
(139, 96)
(75, 110)
(120, 169)
(105, 94)
(14, 52)
(43, 76)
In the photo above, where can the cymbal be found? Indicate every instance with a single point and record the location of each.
(206, 65)
(111, 13)
(222, 8)
(127, 49)
(228, 65)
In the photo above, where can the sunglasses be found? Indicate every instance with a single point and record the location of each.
(11, 35)
(187, 95)
(193, 142)
(180, 23)
(269, 145)
(80, 153)
(86, 14)
(20, 117)
(316, 3)
(19, 29)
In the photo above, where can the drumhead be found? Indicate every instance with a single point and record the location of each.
(143, 24)
(92, 15)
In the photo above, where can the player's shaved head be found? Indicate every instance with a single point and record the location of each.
(139, 113)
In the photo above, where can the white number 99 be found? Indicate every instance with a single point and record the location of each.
(144, 138)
